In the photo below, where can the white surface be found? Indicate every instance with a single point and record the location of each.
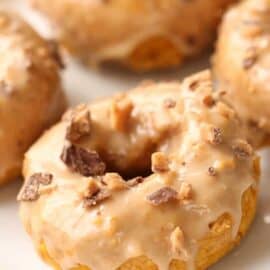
(16, 251)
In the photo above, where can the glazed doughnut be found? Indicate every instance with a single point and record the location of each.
(149, 179)
(242, 63)
(30, 92)
(142, 35)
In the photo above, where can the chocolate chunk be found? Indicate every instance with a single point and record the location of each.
(169, 103)
(83, 161)
(135, 181)
(162, 196)
(96, 198)
(30, 191)
(80, 124)
(54, 51)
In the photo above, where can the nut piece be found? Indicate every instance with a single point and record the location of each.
(113, 181)
(162, 196)
(177, 240)
(30, 191)
(85, 162)
(80, 124)
(120, 113)
(242, 150)
(95, 198)
(160, 163)
(92, 188)
(185, 192)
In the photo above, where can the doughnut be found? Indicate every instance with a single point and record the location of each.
(149, 179)
(141, 35)
(241, 64)
(30, 91)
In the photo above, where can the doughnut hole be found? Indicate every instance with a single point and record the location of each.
(129, 153)
(139, 166)
(214, 246)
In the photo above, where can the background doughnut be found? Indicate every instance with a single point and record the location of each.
(142, 35)
(241, 65)
(154, 175)
(30, 92)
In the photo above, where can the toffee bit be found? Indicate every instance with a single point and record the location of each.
(54, 51)
(30, 191)
(96, 198)
(120, 113)
(80, 124)
(113, 181)
(209, 101)
(212, 171)
(83, 161)
(169, 103)
(135, 181)
(185, 192)
(242, 150)
(160, 163)
(92, 188)
(162, 196)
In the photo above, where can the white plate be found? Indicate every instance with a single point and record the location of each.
(16, 250)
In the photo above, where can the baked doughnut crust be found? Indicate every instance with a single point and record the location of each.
(143, 35)
(241, 65)
(198, 199)
(30, 92)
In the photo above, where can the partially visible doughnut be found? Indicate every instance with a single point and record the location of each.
(242, 65)
(142, 35)
(151, 176)
(30, 91)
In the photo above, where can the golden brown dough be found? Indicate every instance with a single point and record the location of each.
(154, 173)
(143, 35)
(242, 65)
(30, 92)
